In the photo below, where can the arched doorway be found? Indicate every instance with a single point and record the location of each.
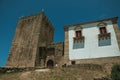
(50, 63)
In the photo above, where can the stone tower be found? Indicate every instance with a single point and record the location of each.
(32, 36)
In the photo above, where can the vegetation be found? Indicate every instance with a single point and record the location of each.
(54, 74)
(115, 73)
(1, 73)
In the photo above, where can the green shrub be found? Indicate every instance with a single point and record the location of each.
(115, 72)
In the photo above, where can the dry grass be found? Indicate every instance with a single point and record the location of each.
(54, 74)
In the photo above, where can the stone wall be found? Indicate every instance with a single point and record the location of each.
(24, 45)
(55, 52)
(106, 62)
(59, 52)
(31, 33)
(66, 46)
(45, 38)
(94, 67)
(15, 69)
(59, 49)
(117, 32)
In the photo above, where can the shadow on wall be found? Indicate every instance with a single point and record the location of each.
(50, 63)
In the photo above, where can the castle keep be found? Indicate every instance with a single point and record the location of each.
(95, 42)
(33, 44)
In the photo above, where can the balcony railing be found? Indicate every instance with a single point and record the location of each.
(79, 39)
(104, 36)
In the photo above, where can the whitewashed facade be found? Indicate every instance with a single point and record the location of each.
(91, 42)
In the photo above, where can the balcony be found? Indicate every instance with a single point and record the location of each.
(104, 36)
(79, 39)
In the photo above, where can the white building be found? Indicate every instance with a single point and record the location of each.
(90, 41)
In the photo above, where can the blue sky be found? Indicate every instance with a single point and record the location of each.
(59, 12)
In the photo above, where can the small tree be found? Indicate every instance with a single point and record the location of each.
(115, 72)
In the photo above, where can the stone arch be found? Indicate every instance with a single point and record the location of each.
(78, 28)
(102, 24)
(50, 63)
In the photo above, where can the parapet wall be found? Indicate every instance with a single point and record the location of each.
(99, 60)
(15, 69)
(106, 62)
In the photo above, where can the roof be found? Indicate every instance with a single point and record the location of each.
(114, 19)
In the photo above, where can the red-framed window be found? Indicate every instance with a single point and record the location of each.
(78, 34)
(103, 30)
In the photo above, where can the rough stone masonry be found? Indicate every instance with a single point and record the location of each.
(33, 44)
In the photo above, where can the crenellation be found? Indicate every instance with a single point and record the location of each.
(32, 33)
(31, 16)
